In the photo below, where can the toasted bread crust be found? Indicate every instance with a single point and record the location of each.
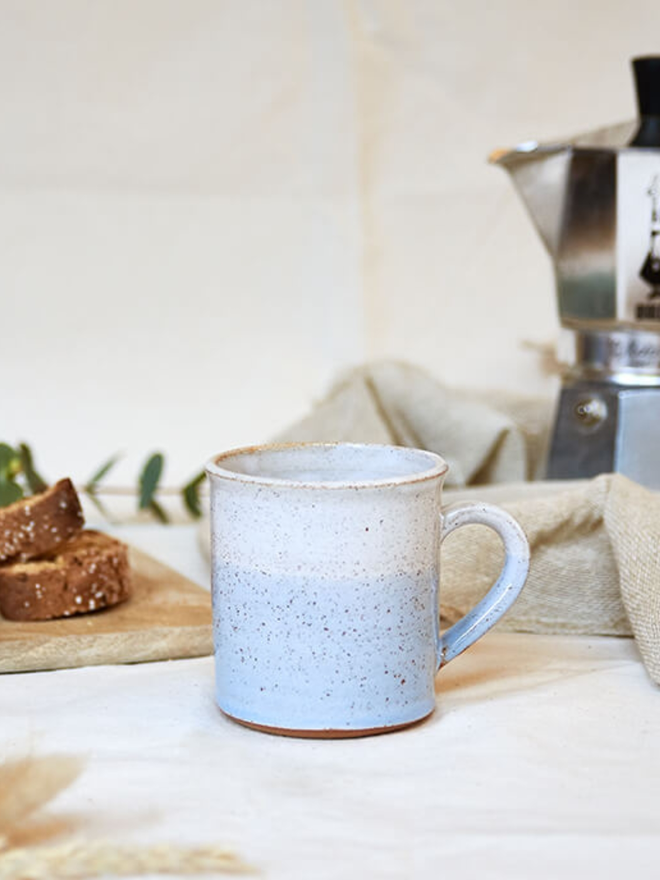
(89, 573)
(34, 526)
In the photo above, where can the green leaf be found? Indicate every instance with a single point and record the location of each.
(10, 461)
(158, 511)
(34, 480)
(149, 479)
(9, 492)
(103, 471)
(190, 493)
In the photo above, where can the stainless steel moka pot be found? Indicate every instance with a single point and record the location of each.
(595, 202)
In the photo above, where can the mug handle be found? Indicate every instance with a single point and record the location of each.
(504, 591)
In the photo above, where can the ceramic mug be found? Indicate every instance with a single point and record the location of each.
(325, 563)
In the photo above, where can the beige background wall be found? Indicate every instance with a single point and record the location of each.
(207, 209)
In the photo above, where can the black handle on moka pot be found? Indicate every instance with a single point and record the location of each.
(647, 84)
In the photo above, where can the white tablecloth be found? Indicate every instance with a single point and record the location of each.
(542, 760)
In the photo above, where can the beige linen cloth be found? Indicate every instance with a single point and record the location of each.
(595, 543)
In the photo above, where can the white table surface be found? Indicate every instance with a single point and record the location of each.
(542, 760)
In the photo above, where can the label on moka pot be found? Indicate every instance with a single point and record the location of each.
(638, 236)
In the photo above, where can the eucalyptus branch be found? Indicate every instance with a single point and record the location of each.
(19, 478)
(128, 491)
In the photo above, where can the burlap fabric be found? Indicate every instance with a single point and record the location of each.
(595, 544)
(490, 437)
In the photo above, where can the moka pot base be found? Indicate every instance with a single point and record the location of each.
(608, 414)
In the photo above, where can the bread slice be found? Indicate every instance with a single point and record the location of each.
(87, 574)
(36, 525)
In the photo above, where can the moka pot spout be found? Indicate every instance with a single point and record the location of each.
(540, 174)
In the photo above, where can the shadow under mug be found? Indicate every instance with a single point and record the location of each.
(325, 561)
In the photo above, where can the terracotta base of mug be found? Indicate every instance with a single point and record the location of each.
(326, 734)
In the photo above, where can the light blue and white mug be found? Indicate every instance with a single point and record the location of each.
(325, 585)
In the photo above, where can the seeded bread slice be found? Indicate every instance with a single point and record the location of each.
(36, 525)
(87, 574)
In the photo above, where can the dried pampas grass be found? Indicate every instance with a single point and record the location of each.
(28, 784)
(75, 861)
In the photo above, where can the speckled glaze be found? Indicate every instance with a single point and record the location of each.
(325, 585)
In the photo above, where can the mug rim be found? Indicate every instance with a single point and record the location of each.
(214, 468)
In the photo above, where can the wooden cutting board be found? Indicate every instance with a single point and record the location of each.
(166, 618)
